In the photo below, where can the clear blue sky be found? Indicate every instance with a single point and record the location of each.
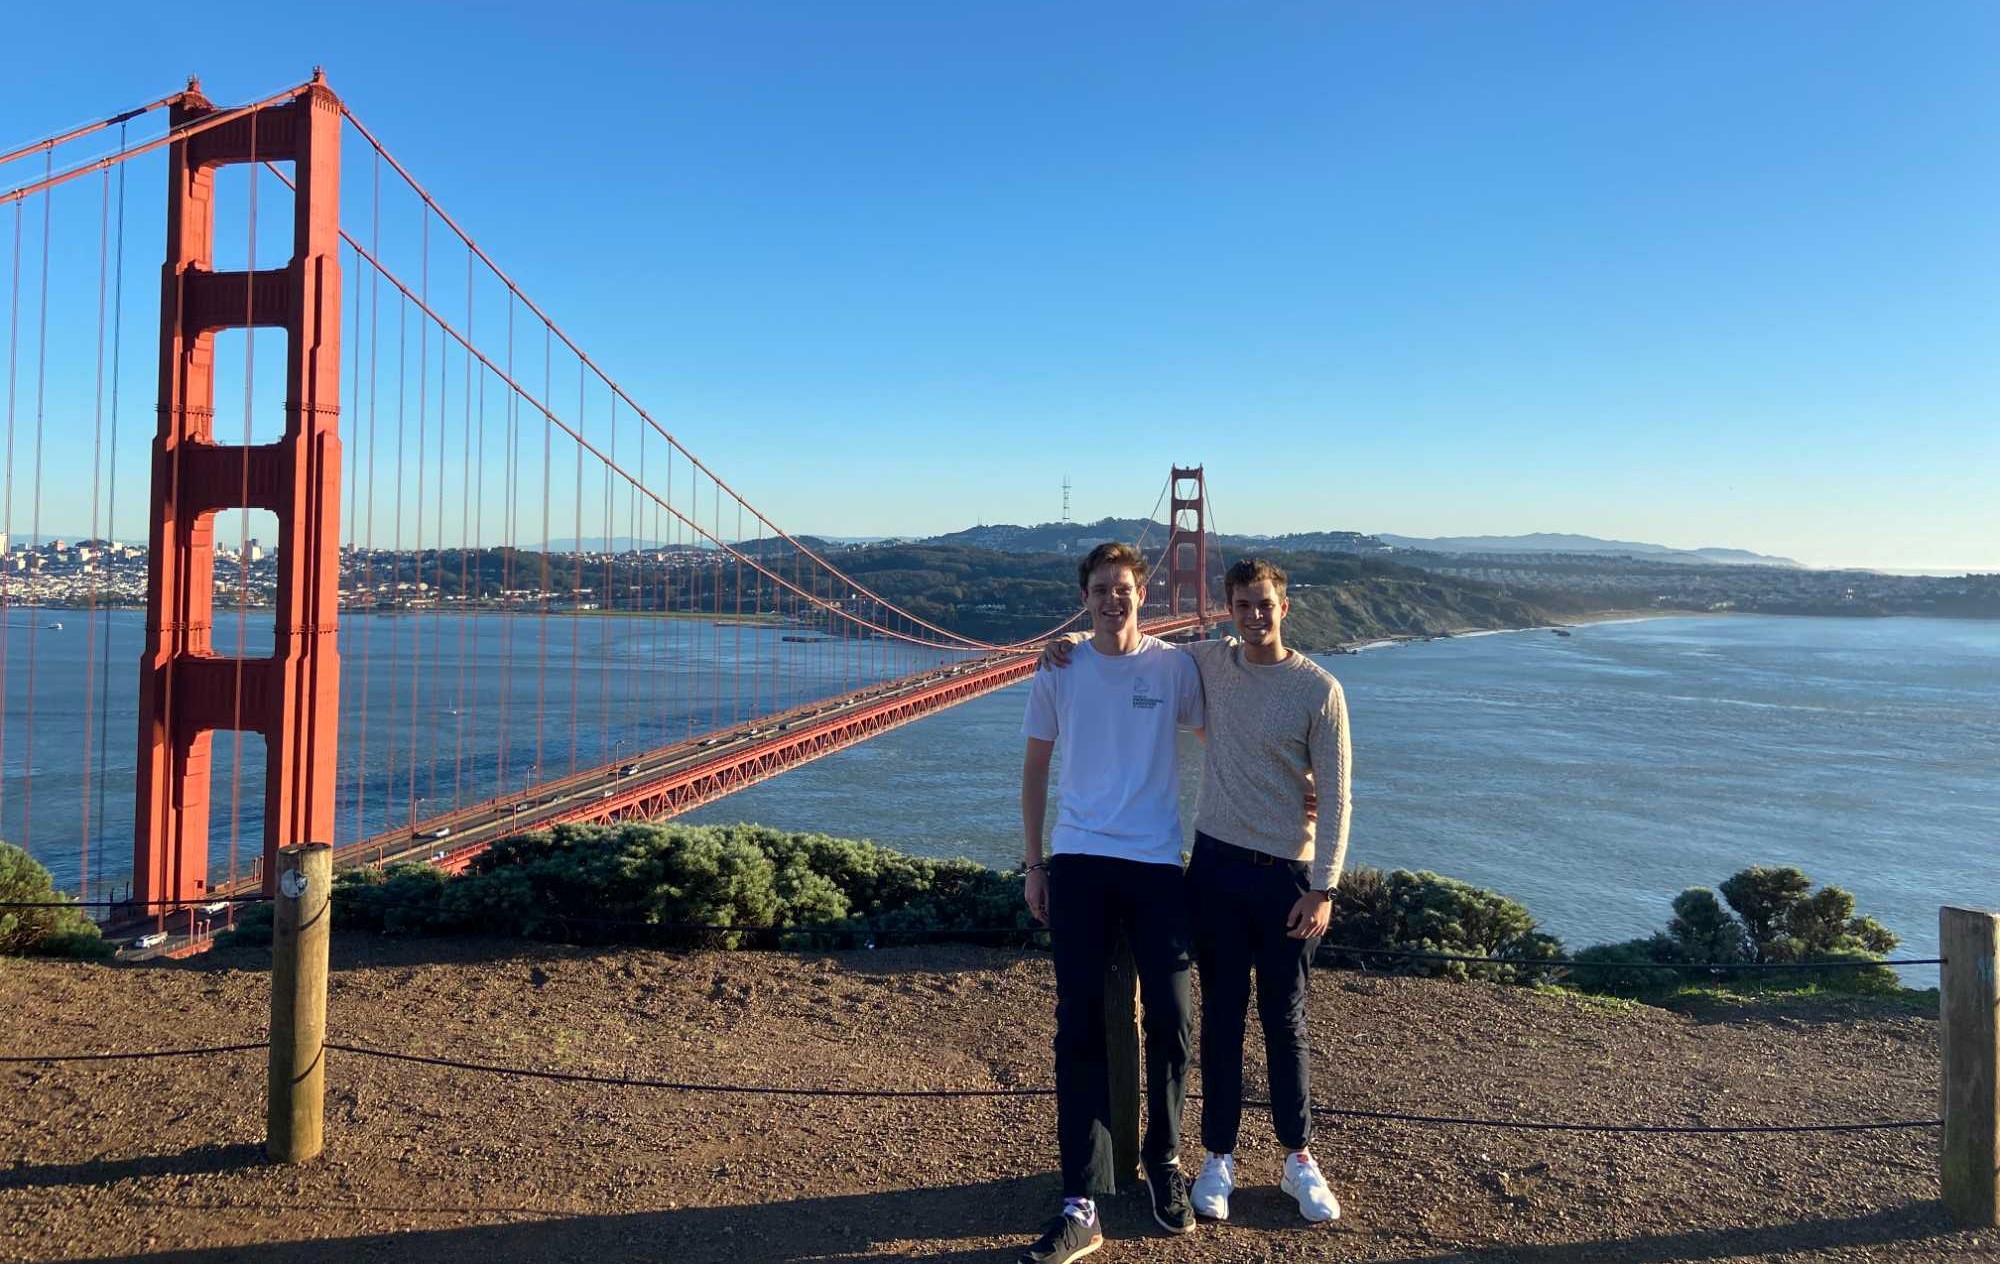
(1694, 273)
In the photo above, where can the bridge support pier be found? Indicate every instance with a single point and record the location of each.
(186, 690)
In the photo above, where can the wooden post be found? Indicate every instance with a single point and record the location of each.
(1969, 1030)
(294, 1115)
(1121, 1049)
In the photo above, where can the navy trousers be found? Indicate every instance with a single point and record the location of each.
(1238, 900)
(1091, 900)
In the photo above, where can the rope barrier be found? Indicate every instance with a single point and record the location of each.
(130, 1055)
(1544, 1125)
(621, 1081)
(1570, 963)
(765, 1090)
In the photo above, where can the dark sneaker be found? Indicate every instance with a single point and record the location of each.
(1168, 1189)
(1068, 1237)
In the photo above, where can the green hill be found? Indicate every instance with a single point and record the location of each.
(1337, 599)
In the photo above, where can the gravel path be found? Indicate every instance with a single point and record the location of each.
(159, 1160)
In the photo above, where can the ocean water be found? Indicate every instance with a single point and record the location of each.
(1592, 777)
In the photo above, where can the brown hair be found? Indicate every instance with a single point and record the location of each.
(1111, 553)
(1251, 570)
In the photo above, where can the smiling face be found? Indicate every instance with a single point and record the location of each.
(1113, 596)
(1259, 610)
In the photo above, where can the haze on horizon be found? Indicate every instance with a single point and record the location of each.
(1701, 276)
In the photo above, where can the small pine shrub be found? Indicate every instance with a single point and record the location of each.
(61, 931)
(1778, 919)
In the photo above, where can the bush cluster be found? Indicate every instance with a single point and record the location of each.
(1426, 912)
(589, 883)
(661, 883)
(47, 932)
(1772, 915)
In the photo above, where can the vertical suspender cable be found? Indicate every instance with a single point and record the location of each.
(467, 541)
(396, 664)
(736, 674)
(111, 508)
(576, 584)
(7, 515)
(606, 604)
(509, 479)
(96, 570)
(35, 520)
(351, 524)
(721, 564)
(611, 537)
(437, 571)
(243, 517)
(417, 665)
(368, 543)
(542, 598)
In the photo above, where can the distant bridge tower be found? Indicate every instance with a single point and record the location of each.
(1187, 547)
(186, 690)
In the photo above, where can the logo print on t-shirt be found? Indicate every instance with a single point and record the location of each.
(1142, 695)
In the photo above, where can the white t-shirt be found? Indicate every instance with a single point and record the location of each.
(1115, 715)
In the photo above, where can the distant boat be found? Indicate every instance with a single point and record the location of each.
(1560, 631)
(55, 627)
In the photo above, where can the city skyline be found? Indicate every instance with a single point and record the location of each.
(1702, 277)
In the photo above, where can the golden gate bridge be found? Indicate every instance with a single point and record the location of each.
(465, 428)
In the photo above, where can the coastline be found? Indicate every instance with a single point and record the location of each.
(1595, 616)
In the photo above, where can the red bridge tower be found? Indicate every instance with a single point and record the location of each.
(186, 690)
(1187, 547)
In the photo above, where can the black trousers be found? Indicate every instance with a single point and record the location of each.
(1092, 899)
(1239, 900)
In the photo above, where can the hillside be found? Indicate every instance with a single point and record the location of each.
(1337, 598)
(1080, 537)
(1559, 542)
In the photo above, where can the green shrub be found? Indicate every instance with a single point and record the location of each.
(658, 883)
(1779, 919)
(253, 926)
(61, 931)
(1619, 968)
(1429, 913)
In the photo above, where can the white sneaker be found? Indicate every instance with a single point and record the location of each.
(1303, 1181)
(1213, 1187)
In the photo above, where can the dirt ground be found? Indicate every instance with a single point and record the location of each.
(160, 1160)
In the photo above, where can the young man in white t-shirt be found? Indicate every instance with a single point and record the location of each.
(1113, 865)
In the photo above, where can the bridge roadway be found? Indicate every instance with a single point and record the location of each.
(677, 778)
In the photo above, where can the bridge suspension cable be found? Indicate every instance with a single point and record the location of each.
(79, 132)
(619, 392)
